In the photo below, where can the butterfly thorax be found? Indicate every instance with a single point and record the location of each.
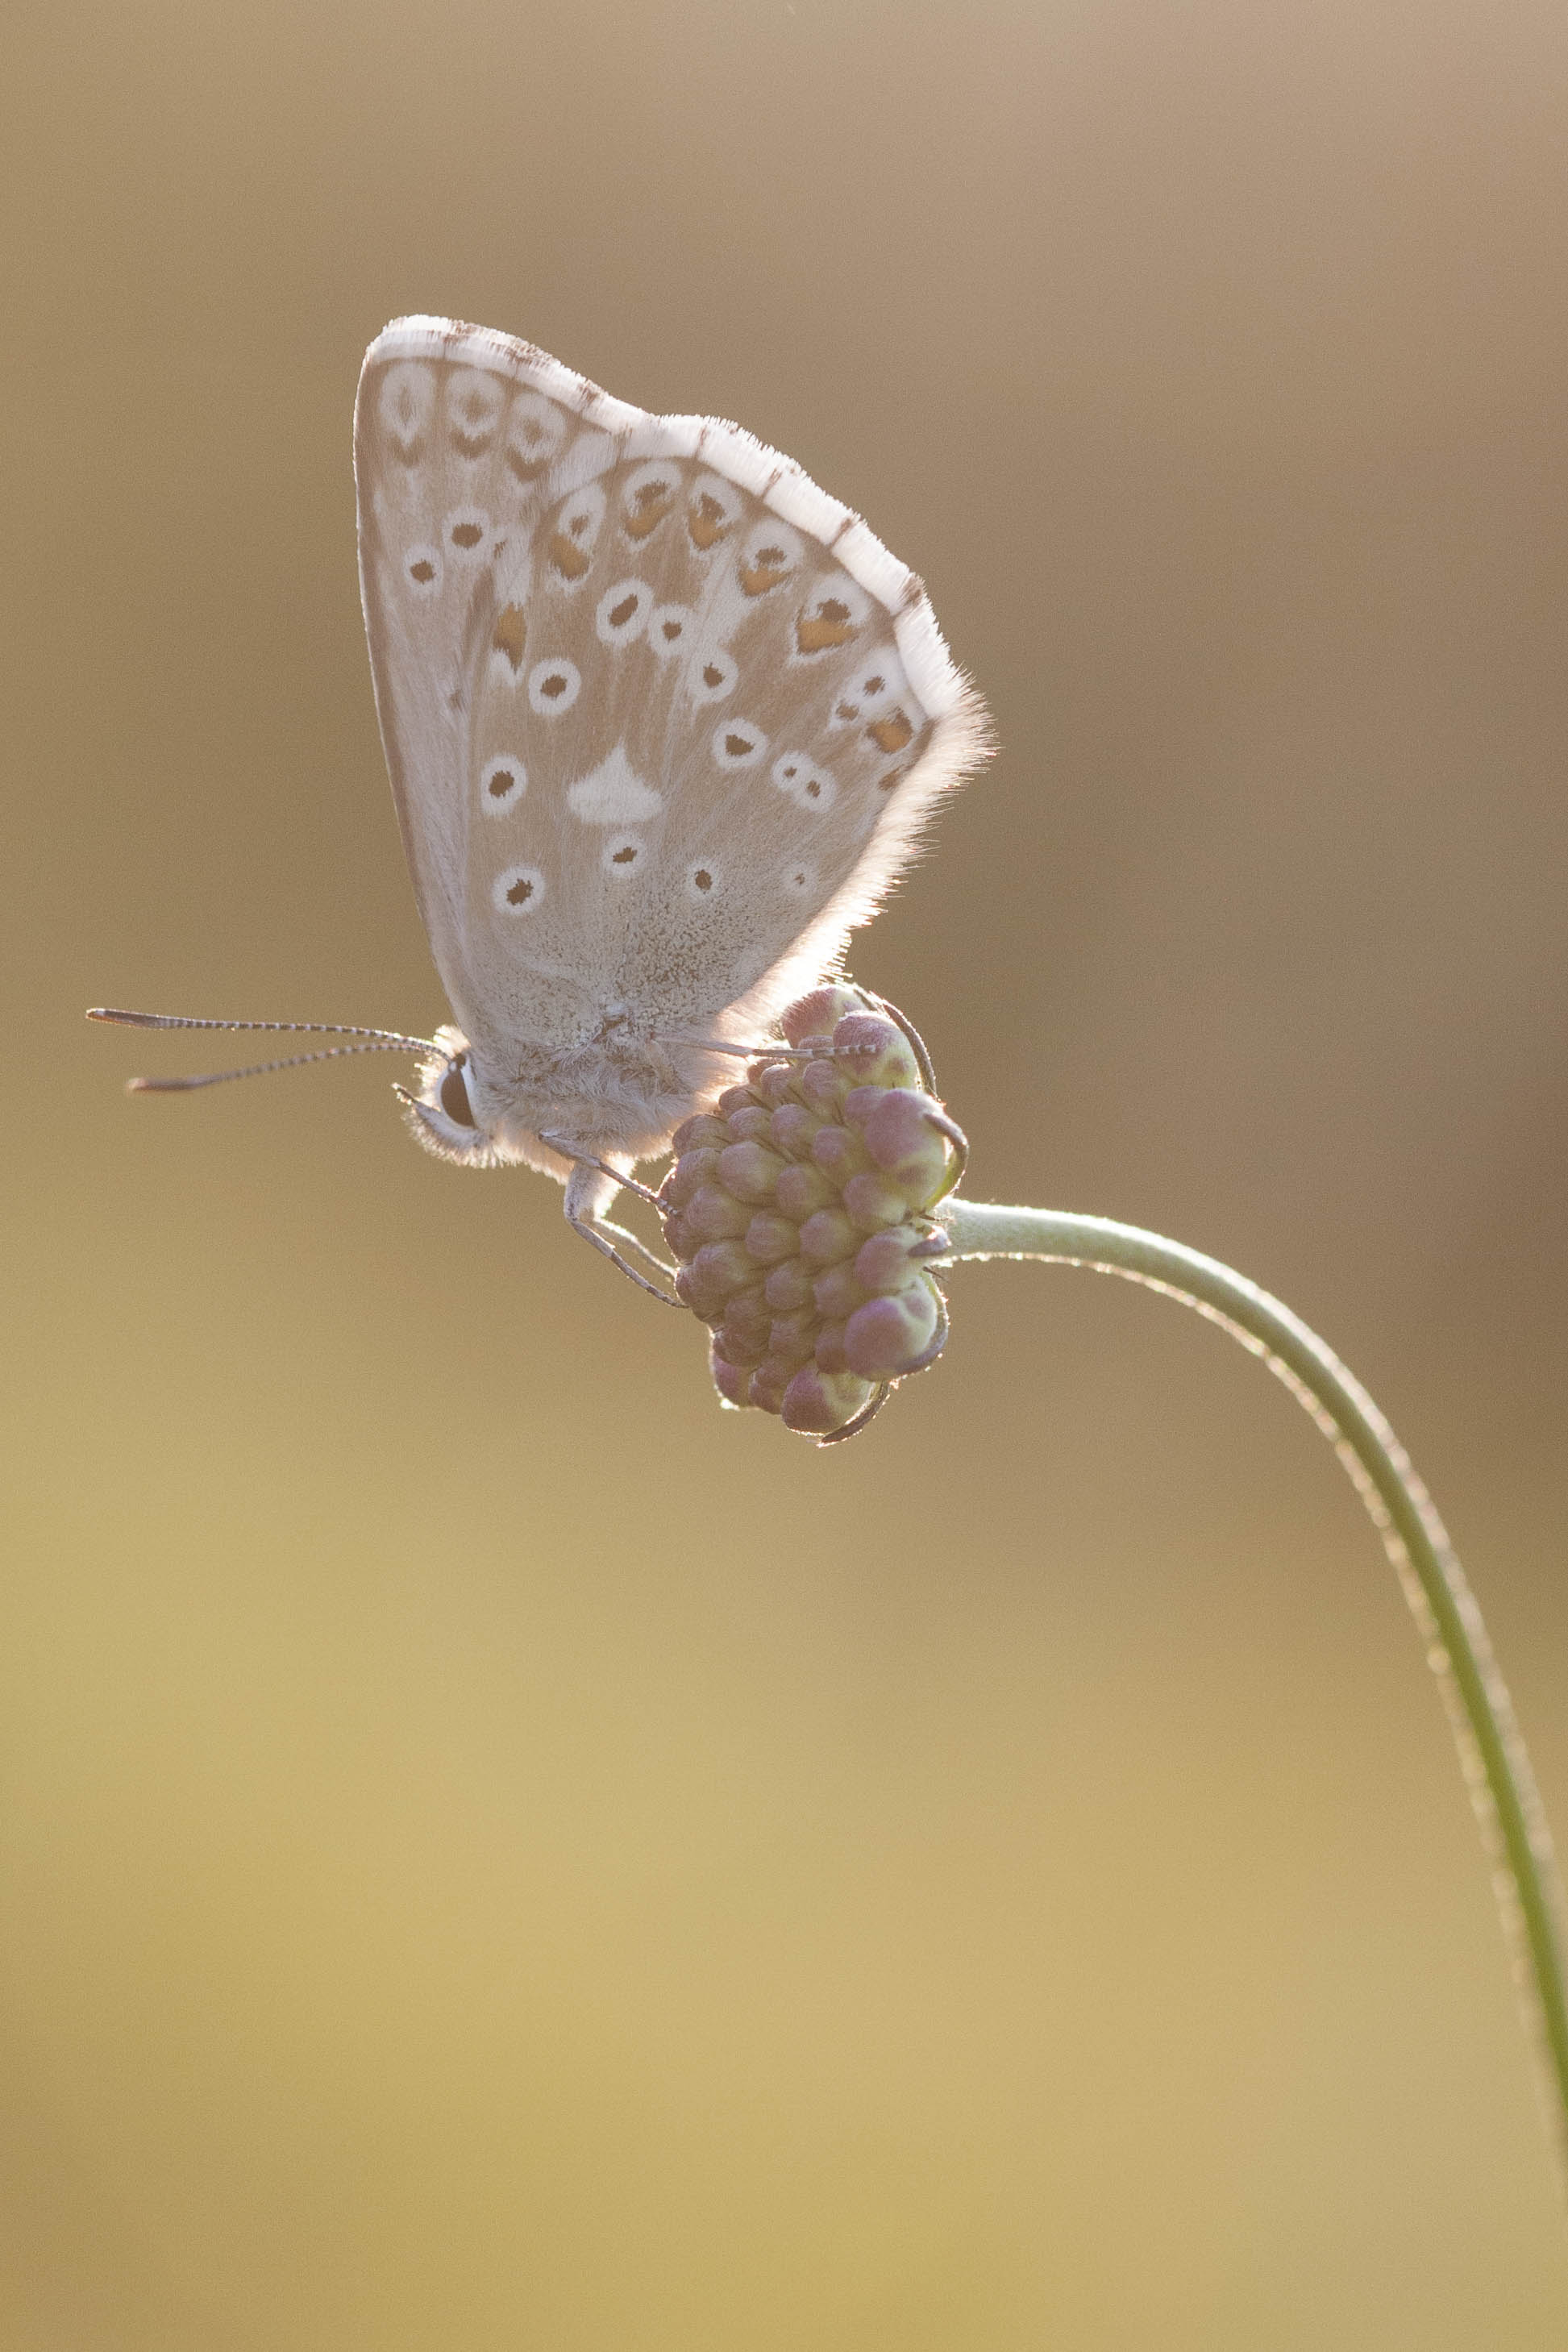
(616, 1093)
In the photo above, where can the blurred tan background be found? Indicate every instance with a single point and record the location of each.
(497, 1854)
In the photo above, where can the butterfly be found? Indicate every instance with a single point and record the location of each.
(663, 721)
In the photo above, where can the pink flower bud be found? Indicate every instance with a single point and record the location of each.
(837, 1293)
(736, 1098)
(883, 1263)
(775, 1083)
(790, 1129)
(816, 1402)
(828, 1237)
(767, 1384)
(839, 1154)
(830, 1356)
(906, 1146)
(770, 1238)
(749, 1171)
(875, 1051)
(731, 1380)
(743, 1334)
(693, 1133)
(873, 1201)
(819, 1086)
(800, 1190)
(788, 1286)
(750, 1124)
(887, 1337)
(818, 1014)
(712, 1216)
(858, 1104)
(684, 1244)
(691, 1169)
(791, 1337)
(718, 1271)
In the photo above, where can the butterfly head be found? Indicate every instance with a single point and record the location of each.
(450, 1111)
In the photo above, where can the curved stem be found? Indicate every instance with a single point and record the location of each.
(1492, 1752)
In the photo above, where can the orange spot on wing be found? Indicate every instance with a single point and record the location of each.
(892, 733)
(766, 572)
(652, 504)
(706, 522)
(829, 625)
(567, 558)
(511, 635)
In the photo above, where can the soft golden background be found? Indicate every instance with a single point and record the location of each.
(497, 1855)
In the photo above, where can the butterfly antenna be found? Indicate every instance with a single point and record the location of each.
(370, 1041)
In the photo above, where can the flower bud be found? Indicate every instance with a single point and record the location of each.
(743, 1334)
(714, 1216)
(749, 1171)
(839, 1154)
(873, 1200)
(830, 1356)
(819, 1014)
(736, 1098)
(769, 1238)
(684, 1245)
(731, 1380)
(718, 1270)
(691, 1169)
(827, 1236)
(817, 1402)
(750, 1124)
(885, 1262)
(767, 1384)
(790, 1129)
(774, 1084)
(906, 1146)
(799, 1190)
(791, 1337)
(819, 1087)
(693, 1133)
(837, 1293)
(788, 1286)
(888, 1337)
(875, 1052)
(857, 1106)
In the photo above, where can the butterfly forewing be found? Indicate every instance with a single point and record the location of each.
(662, 717)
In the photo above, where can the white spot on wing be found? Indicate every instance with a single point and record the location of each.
(406, 404)
(621, 856)
(738, 744)
(518, 890)
(613, 793)
(622, 611)
(667, 628)
(812, 787)
(502, 783)
(465, 532)
(553, 686)
(714, 677)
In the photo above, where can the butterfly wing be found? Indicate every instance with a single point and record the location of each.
(663, 719)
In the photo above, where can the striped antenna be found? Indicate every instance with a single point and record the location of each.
(370, 1041)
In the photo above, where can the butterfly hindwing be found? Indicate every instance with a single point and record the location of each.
(663, 719)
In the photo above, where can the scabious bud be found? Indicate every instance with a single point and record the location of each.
(800, 1210)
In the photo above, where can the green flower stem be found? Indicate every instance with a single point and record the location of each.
(1492, 1752)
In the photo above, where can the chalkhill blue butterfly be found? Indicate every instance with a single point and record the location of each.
(663, 721)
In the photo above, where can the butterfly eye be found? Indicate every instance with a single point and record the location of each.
(454, 1097)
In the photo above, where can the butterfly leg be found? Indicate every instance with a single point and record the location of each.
(588, 1190)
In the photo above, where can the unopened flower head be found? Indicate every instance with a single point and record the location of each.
(800, 1210)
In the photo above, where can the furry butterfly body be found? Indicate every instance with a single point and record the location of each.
(662, 720)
